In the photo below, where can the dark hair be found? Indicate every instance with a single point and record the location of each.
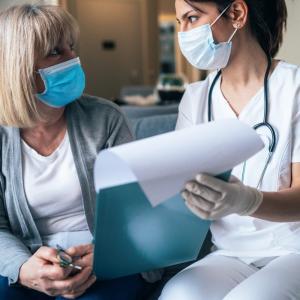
(267, 18)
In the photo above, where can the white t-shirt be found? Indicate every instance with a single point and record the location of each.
(54, 195)
(249, 238)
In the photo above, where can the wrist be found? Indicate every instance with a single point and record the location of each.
(253, 200)
(22, 274)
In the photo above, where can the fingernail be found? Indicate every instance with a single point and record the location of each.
(184, 194)
(199, 177)
(187, 186)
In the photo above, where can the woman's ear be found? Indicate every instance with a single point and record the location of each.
(238, 13)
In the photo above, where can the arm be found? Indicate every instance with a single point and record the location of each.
(282, 206)
(120, 132)
(13, 253)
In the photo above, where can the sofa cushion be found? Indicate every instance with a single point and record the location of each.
(153, 125)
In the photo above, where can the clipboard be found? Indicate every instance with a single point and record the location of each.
(131, 236)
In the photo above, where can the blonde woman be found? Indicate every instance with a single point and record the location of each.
(48, 146)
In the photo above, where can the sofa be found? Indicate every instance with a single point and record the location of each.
(150, 121)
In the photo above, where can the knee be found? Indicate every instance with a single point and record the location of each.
(185, 285)
(177, 290)
(258, 292)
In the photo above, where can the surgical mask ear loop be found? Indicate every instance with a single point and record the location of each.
(233, 34)
(220, 16)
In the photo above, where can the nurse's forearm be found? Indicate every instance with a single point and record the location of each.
(283, 206)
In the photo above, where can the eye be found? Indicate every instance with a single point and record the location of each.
(56, 51)
(193, 19)
(72, 46)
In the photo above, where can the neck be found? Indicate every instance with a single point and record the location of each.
(50, 129)
(248, 64)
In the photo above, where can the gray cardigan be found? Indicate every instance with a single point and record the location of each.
(93, 124)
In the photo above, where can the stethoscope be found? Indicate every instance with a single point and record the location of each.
(264, 124)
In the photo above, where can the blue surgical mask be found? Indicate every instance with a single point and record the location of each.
(64, 83)
(201, 51)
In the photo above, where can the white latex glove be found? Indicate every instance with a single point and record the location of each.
(210, 198)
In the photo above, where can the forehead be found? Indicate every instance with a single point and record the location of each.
(182, 7)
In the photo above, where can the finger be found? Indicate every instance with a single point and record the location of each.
(72, 283)
(205, 192)
(213, 183)
(80, 250)
(73, 296)
(233, 179)
(84, 261)
(54, 272)
(48, 254)
(198, 212)
(81, 290)
(200, 202)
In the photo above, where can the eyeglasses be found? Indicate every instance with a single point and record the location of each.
(65, 260)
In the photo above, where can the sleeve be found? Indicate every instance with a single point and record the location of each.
(120, 132)
(184, 112)
(295, 130)
(13, 253)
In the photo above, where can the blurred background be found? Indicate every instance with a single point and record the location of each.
(129, 48)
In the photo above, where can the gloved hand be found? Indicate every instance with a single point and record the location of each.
(210, 198)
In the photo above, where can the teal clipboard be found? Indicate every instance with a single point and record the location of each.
(132, 237)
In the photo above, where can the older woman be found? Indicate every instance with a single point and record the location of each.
(48, 146)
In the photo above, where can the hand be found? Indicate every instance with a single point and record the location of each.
(82, 256)
(211, 198)
(43, 273)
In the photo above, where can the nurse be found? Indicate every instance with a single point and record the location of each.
(256, 216)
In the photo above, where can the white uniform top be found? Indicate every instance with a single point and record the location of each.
(249, 238)
(54, 195)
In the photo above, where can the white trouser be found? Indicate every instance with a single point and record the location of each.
(224, 278)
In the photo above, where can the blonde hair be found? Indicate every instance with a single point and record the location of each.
(28, 33)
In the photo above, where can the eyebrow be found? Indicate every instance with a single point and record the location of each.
(194, 6)
(185, 15)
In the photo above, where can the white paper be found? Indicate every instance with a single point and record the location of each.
(162, 164)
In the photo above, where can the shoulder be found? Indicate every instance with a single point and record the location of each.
(93, 105)
(6, 134)
(198, 91)
(201, 88)
(287, 73)
(93, 111)
(97, 117)
(195, 96)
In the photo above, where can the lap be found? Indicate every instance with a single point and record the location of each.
(12, 293)
(219, 277)
(210, 278)
(127, 288)
(279, 280)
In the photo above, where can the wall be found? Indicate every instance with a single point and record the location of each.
(6, 3)
(291, 47)
(132, 27)
(166, 7)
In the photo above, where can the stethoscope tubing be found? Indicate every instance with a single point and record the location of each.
(265, 123)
